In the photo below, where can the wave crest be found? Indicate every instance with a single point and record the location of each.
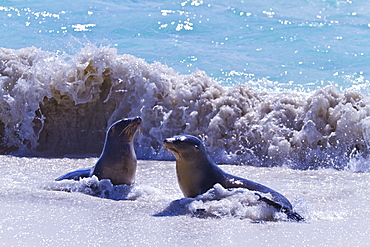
(62, 104)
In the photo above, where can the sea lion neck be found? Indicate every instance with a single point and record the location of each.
(123, 148)
(193, 159)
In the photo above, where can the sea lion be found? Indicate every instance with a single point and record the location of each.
(197, 173)
(118, 161)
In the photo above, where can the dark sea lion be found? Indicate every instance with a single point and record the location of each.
(118, 159)
(197, 173)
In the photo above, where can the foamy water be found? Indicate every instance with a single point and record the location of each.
(278, 87)
(283, 84)
(36, 210)
(59, 105)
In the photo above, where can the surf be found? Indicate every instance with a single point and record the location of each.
(62, 104)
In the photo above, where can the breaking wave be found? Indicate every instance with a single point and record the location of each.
(62, 105)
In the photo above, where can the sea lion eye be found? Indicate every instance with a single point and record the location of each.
(196, 146)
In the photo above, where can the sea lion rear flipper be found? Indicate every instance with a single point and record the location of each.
(75, 175)
(276, 205)
(291, 215)
(294, 216)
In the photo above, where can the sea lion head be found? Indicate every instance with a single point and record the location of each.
(184, 146)
(196, 172)
(125, 128)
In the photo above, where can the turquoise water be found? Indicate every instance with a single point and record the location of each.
(298, 45)
(261, 83)
(265, 84)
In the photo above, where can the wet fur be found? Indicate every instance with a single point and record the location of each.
(197, 173)
(118, 159)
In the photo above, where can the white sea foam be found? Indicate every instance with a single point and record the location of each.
(35, 211)
(105, 189)
(60, 104)
(237, 203)
(218, 202)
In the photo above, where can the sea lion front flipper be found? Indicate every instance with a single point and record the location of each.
(291, 215)
(75, 175)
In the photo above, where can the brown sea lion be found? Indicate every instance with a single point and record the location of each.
(118, 161)
(197, 173)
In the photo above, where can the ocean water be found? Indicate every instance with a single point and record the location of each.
(300, 45)
(37, 211)
(261, 83)
(279, 87)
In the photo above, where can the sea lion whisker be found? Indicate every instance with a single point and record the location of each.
(140, 130)
(128, 126)
(171, 150)
(134, 125)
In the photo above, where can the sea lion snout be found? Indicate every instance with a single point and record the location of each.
(174, 141)
(178, 139)
(169, 140)
(130, 121)
(169, 144)
(137, 120)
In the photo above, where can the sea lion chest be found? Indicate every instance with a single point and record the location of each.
(196, 178)
(117, 164)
